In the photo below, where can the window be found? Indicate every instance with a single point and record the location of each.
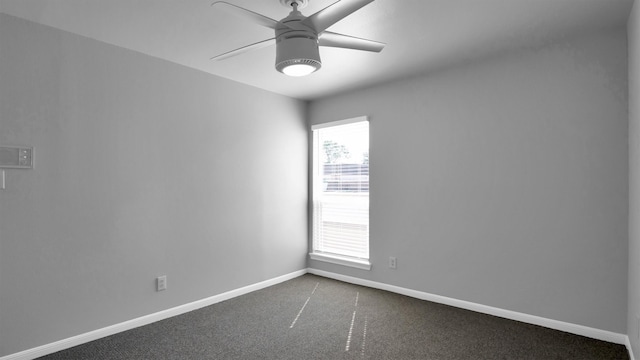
(341, 192)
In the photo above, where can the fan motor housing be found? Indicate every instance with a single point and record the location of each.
(293, 50)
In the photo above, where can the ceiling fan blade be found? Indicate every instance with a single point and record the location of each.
(332, 39)
(333, 13)
(248, 14)
(244, 49)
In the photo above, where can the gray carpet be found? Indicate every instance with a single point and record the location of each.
(311, 317)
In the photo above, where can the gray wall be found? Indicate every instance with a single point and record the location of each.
(504, 182)
(143, 168)
(633, 319)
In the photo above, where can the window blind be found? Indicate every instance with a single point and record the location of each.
(341, 189)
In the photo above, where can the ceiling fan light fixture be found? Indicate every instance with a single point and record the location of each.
(297, 37)
(298, 56)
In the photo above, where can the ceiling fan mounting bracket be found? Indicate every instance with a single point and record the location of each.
(289, 3)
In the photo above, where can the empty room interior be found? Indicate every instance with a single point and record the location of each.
(151, 180)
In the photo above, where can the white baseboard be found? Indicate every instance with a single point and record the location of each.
(627, 343)
(144, 320)
(507, 314)
(161, 315)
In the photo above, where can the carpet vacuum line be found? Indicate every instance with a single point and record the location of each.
(364, 337)
(353, 320)
(303, 306)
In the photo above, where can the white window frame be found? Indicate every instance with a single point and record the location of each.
(356, 262)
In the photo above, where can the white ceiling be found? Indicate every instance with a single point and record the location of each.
(421, 35)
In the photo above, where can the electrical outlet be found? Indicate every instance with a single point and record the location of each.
(161, 283)
(392, 262)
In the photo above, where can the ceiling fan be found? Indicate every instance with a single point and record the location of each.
(297, 37)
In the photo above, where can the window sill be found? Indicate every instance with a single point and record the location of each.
(342, 260)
